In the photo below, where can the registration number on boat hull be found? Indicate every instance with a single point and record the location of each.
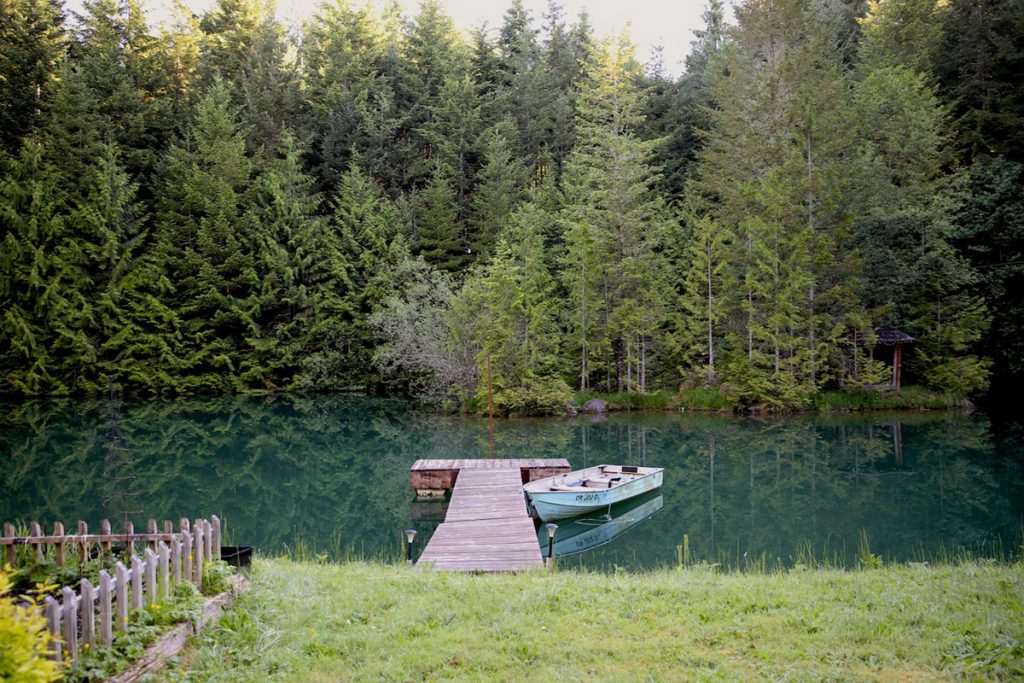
(588, 497)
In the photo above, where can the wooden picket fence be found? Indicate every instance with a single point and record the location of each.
(97, 613)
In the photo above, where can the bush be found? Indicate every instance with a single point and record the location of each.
(24, 640)
(535, 396)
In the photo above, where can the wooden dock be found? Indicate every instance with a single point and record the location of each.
(487, 526)
(434, 477)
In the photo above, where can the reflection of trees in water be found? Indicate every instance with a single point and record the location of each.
(334, 471)
(119, 483)
(743, 488)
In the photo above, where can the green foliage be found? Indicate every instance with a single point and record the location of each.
(26, 641)
(226, 205)
(144, 627)
(613, 263)
(437, 234)
(991, 237)
(507, 310)
(32, 46)
(216, 577)
(908, 398)
(207, 246)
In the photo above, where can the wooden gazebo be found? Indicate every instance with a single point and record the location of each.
(889, 337)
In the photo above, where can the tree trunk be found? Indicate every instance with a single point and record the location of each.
(711, 321)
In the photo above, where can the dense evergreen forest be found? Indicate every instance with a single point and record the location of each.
(383, 202)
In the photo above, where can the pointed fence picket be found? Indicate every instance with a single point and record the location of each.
(96, 614)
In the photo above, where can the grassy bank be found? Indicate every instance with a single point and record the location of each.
(714, 399)
(369, 622)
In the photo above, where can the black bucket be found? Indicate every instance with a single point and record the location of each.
(237, 555)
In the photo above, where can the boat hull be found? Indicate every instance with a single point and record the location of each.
(586, 533)
(550, 505)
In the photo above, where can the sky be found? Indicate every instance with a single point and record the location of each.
(668, 23)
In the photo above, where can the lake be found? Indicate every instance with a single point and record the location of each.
(330, 475)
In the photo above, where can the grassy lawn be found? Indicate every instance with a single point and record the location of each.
(372, 622)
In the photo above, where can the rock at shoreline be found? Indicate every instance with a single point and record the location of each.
(595, 405)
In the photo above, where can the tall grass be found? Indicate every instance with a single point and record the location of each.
(909, 398)
(365, 621)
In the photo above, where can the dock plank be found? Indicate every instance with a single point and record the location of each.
(487, 526)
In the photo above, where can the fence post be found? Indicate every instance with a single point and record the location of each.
(121, 574)
(151, 560)
(137, 582)
(83, 531)
(165, 578)
(129, 544)
(106, 609)
(105, 530)
(186, 550)
(197, 553)
(176, 559)
(12, 556)
(207, 540)
(53, 624)
(88, 613)
(151, 529)
(216, 536)
(70, 615)
(186, 556)
(58, 530)
(37, 531)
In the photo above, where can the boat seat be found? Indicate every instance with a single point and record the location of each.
(602, 482)
(621, 469)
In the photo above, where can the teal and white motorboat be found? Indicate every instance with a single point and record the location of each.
(593, 488)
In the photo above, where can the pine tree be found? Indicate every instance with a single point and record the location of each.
(499, 187)
(612, 210)
(110, 92)
(433, 54)
(906, 231)
(453, 131)
(567, 52)
(706, 283)
(207, 243)
(245, 46)
(350, 96)
(979, 61)
(299, 269)
(31, 49)
(688, 114)
(437, 235)
(373, 251)
(771, 175)
(977, 65)
(905, 32)
(129, 331)
(41, 312)
(510, 313)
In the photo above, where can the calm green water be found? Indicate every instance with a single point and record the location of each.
(330, 474)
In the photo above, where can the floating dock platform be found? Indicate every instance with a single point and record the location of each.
(487, 526)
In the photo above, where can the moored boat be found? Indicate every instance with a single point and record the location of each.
(588, 532)
(586, 490)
